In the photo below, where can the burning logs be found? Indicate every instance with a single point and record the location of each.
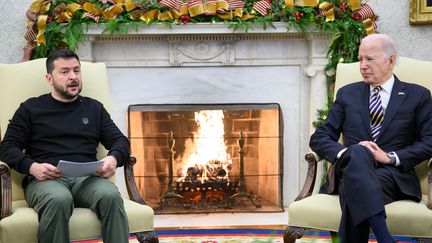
(212, 171)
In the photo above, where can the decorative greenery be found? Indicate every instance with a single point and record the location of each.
(66, 20)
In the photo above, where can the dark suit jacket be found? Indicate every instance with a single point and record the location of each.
(406, 129)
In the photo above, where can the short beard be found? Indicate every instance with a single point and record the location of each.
(63, 93)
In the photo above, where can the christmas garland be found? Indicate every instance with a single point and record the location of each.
(61, 23)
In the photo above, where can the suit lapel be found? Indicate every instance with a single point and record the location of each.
(397, 97)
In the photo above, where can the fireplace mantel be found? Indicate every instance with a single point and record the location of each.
(211, 63)
(204, 44)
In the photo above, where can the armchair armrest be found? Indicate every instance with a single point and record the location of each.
(5, 190)
(308, 186)
(131, 186)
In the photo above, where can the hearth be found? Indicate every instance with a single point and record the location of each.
(208, 157)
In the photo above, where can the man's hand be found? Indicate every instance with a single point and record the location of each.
(108, 167)
(44, 171)
(379, 155)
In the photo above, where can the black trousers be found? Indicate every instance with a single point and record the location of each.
(364, 187)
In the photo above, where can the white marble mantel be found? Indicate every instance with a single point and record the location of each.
(210, 63)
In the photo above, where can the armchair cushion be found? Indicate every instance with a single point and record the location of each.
(22, 225)
(322, 211)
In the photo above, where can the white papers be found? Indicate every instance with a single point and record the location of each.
(75, 169)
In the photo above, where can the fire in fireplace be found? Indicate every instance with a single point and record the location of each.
(201, 157)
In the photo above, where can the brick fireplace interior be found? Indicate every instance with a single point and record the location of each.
(208, 157)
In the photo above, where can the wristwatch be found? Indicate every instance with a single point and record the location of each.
(392, 156)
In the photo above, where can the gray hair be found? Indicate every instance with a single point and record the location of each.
(387, 44)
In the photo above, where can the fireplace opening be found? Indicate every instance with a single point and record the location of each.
(208, 157)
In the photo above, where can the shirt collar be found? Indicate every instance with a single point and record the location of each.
(387, 86)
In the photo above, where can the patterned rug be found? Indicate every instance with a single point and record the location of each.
(238, 235)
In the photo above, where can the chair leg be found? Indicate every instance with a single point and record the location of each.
(147, 237)
(292, 233)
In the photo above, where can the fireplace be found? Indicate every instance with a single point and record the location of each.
(201, 157)
(213, 64)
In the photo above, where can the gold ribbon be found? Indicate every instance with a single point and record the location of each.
(301, 3)
(113, 11)
(196, 10)
(91, 8)
(328, 8)
(355, 5)
(306, 3)
(41, 24)
(67, 15)
(178, 13)
(150, 15)
(238, 12)
(165, 16)
(369, 26)
(129, 5)
(289, 3)
(40, 6)
(211, 8)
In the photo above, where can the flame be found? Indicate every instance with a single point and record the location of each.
(207, 150)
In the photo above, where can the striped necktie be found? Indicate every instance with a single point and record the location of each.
(376, 112)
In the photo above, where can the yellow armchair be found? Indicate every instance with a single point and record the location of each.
(18, 222)
(322, 211)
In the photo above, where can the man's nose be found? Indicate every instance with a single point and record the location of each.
(363, 65)
(72, 75)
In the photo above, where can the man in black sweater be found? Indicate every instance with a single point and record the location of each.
(63, 125)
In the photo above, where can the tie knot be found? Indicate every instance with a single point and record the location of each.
(377, 89)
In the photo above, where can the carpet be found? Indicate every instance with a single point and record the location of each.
(238, 235)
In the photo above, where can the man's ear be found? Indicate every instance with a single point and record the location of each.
(48, 77)
(392, 60)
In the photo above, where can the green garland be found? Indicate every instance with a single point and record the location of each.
(346, 29)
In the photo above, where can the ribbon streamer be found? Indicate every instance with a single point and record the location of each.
(235, 4)
(262, 7)
(171, 4)
(365, 12)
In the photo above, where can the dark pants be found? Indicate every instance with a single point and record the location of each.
(54, 201)
(364, 188)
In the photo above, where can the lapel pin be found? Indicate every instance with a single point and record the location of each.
(401, 93)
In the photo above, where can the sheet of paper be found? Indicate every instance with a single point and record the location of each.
(75, 169)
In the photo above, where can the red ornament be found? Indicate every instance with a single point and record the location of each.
(298, 15)
(185, 19)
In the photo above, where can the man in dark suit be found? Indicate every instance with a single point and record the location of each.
(386, 126)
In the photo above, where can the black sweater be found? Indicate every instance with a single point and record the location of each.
(45, 130)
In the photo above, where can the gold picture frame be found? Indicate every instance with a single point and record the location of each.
(420, 12)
